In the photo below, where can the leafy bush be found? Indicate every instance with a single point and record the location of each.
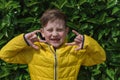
(97, 18)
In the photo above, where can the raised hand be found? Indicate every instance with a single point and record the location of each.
(32, 37)
(77, 41)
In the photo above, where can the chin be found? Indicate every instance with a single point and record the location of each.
(56, 46)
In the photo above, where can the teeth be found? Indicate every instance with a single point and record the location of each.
(54, 39)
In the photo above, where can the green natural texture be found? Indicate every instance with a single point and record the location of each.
(97, 18)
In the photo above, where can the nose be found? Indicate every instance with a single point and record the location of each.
(54, 33)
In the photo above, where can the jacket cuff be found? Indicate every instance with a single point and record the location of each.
(83, 42)
(26, 40)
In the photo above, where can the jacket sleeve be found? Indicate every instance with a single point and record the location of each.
(16, 51)
(94, 53)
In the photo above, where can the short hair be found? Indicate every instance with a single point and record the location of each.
(52, 15)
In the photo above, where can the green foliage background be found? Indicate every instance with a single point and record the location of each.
(97, 18)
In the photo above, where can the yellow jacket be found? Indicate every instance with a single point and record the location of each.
(48, 64)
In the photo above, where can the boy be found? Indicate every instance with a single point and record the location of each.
(52, 58)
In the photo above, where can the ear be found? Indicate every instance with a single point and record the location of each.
(67, 30)
(42, 32)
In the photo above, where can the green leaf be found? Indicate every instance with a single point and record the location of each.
(63, 2)
(109, 19)
(27, 20)
(2, 42)
(102, 17)
(32, 4)
(55, 4)
(59, 4)
(96, 72)
(2, 6)
(111, 3)
(71, 25)
(93, 20)
(1, 35)
(5, 74)
(110, 73)
(81, 2)
(115, 10)
(74, 18)
(10, 5)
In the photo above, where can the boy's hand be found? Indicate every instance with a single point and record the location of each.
(32, 37)
(77, 41)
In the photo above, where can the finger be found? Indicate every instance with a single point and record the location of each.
(77, 40)
(33, 37)
(35, 40)
(35, 46)
(80, 47)
(36, 31)
(79, 36)
(44, 41)
(70, 44)
(75, 32)
(29, 35)
(39, 36)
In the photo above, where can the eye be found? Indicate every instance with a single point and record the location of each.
(50, 30)
(60, 30)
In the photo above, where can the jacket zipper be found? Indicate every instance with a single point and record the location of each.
(55, 67)
(55, 63)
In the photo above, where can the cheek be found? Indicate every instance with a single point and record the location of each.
(47, 35)
(63, 35)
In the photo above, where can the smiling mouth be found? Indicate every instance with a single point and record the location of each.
(55, 40)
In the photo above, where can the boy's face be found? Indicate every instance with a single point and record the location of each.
(55, 33)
